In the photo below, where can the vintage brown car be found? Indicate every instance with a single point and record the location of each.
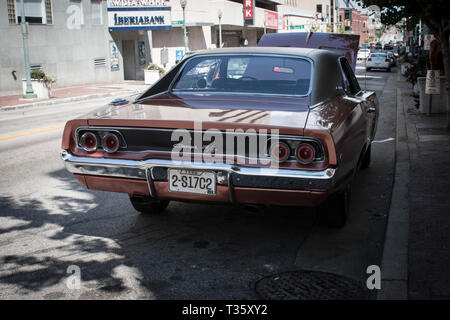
(265, 125)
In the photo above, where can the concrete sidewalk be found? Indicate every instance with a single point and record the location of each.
(62, 95)
(429, 203)
(416, 256)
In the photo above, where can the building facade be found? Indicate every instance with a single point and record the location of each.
(310, 15)
(94, 41)
(355, 20)
(68, 39)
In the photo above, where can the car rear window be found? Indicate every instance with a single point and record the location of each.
(379, 55)
(246, 74)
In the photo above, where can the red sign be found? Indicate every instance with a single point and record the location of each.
(249, 3)
(249, 11)
(271, 19)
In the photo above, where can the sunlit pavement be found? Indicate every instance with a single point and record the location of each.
(49, 222)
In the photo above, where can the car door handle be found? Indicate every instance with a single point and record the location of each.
(371, 110)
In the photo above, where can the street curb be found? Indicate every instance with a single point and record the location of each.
(394, 265)
(70, 99)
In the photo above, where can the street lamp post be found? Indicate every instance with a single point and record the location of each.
(29, 94)
(219, 14)
(183, 4)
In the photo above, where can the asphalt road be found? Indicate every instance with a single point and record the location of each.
(49, 222)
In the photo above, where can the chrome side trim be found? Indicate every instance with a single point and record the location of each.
(139, 169)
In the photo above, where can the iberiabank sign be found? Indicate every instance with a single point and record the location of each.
(122, 18)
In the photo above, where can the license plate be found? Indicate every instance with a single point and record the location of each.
(192, 181)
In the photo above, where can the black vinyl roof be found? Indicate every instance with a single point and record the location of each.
(313, 54)
(326, 73)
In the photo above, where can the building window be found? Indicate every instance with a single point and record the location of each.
(319, 8)
(96, 12)
(347, 14)
(34, 11)
(76, 8)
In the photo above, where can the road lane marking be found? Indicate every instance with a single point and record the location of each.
(385, 140)
(30, 133)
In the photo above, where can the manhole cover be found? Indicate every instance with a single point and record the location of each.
(309, 285)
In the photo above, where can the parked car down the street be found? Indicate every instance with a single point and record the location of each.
(378, 60)
(388, 46)
(392, 57)
(363, 54)
(310, 158)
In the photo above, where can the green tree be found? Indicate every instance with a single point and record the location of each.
(435, 14)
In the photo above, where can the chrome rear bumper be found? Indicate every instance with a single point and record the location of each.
(229, 174)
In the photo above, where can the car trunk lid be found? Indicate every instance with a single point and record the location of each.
(288, 114)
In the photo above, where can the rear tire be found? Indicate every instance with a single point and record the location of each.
(388, 69)
(367, 69)
(148, 205)
(334, 211)
(365, 163)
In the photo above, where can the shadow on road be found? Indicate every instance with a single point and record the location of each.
(192, 251)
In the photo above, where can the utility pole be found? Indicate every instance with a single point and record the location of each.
(219, 14)
(29, 94)
(183, 6)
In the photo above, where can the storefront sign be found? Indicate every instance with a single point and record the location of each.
(113, 56)
(426, 41)
(138, 3)
(179, 55)
(164, 56)
(249, 11)
(139, 15)
(271, 19)
(433, 83)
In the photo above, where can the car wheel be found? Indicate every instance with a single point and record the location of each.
(365, 163)
(388, 69)
(334, 211)
(148, 205)
(367, 69)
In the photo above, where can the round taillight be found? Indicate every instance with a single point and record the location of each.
(280, 151)
(305, 153)
(110, 143)
(88, 142)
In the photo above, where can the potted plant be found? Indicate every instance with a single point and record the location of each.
(41, 84)
(152, 73)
